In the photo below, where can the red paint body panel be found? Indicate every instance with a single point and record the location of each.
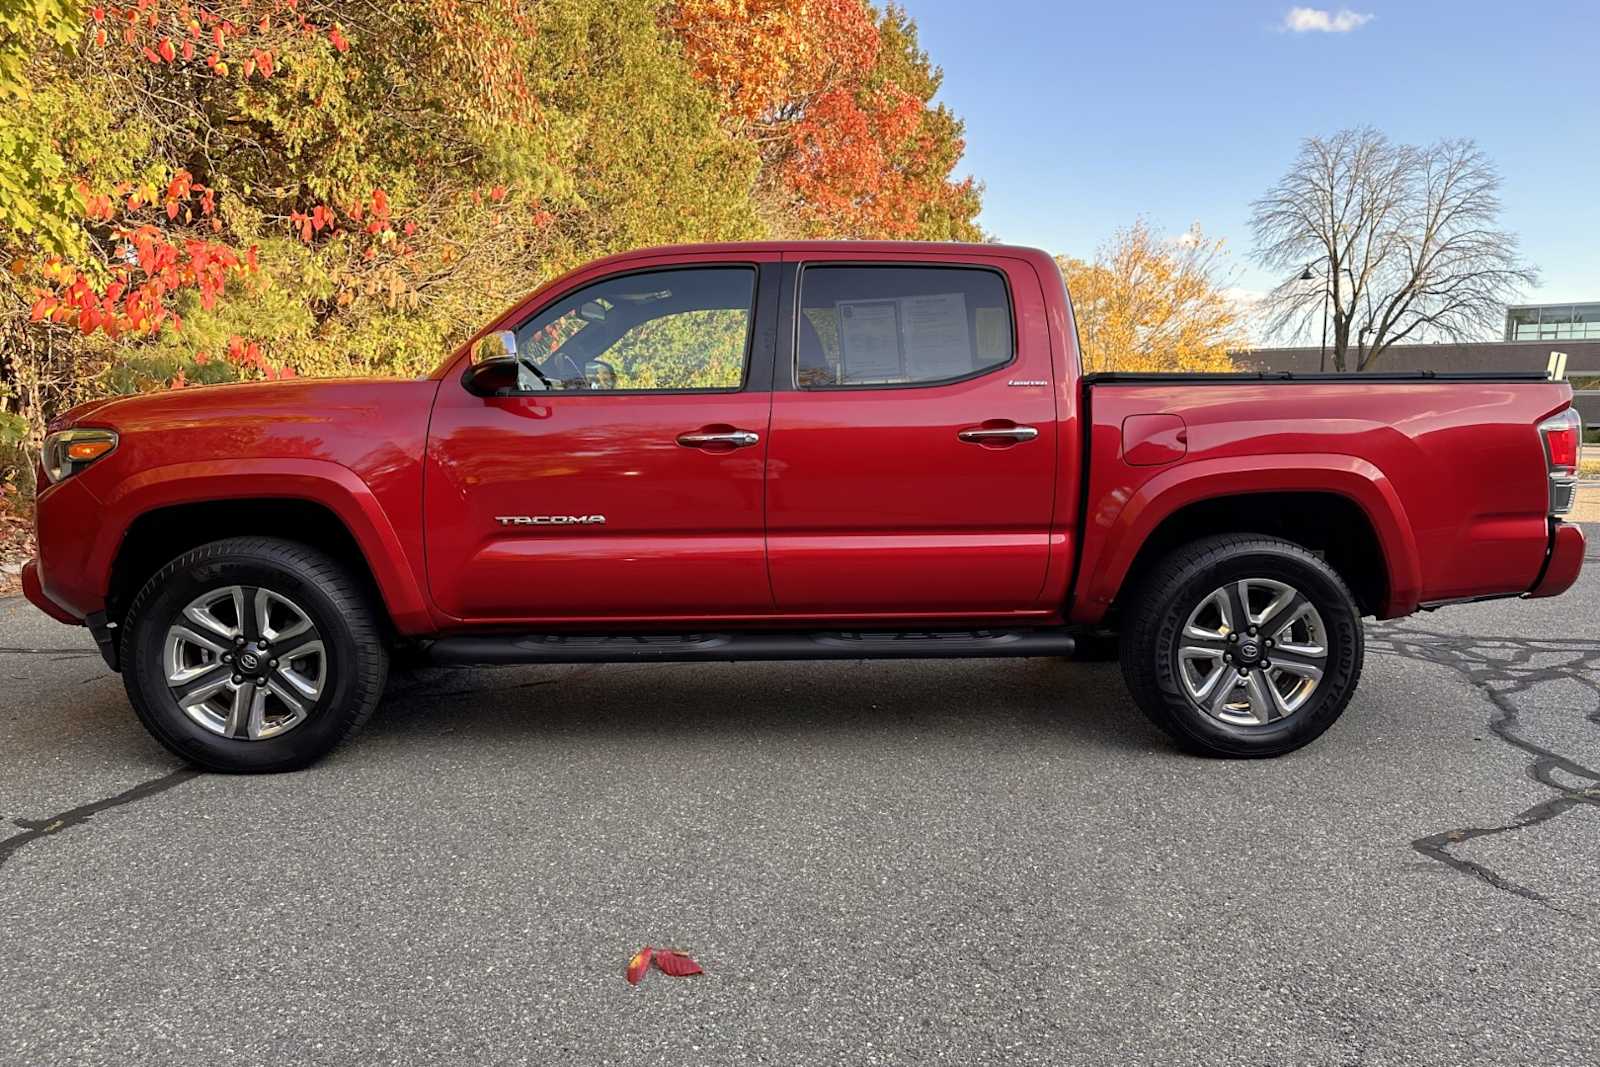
(857, 506)
(34, 591)
(1451, 475)
(1566, 560)
(683, 531)
(683, 526)
(1153, 440)
(355, 447)
(875, 504)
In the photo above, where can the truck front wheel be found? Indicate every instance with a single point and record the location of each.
(252, 654)
(1242, 646)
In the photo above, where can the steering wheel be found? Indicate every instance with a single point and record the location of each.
(526, 361)
(576, 375)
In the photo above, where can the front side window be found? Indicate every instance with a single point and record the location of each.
(864, 326)
(661, 330)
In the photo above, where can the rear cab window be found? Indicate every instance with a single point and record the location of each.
(890, 325)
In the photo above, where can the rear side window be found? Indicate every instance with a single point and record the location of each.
(865, 326)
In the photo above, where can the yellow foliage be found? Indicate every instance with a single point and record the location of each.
(1146, 304)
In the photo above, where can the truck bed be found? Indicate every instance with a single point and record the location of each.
(1447, 468)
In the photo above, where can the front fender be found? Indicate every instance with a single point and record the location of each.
(1117, 526)
(335, 487)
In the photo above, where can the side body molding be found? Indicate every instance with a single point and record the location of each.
(1119, 522)
(323, 482)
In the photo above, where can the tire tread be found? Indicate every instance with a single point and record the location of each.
(1141, 652)
(349, 599)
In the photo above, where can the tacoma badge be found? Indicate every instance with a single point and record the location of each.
(550, 520)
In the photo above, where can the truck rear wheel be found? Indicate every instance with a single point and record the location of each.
(252, 655)
(1242, 646)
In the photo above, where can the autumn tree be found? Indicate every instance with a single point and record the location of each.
(249, 189)
(1145, 304)
(197, 191)
(838, 99)
(1401, 242)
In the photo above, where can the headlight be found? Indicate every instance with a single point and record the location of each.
(70, 451)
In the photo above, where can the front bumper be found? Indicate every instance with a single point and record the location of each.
(33, 589)
(1565, 561)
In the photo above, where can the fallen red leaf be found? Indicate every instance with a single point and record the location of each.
(677, 964)
(639, 964)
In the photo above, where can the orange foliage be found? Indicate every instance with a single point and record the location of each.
(766, 57)
(850, 150)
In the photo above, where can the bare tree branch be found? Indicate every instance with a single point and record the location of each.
(1403, 241)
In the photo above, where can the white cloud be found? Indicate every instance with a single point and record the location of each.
(1317, 20)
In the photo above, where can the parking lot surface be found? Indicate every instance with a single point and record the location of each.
(906, 862)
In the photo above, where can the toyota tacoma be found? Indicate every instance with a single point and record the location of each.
(788, 451)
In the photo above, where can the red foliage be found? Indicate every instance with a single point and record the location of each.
(148, 262)
(639, 964)
(668, 961)
(150, 24)
(677, 964)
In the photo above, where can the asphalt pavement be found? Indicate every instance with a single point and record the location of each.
(906, 862)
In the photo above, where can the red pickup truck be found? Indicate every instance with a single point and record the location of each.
(789, 451)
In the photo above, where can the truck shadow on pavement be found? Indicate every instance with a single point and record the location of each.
(1505, 670)
(1075, 703)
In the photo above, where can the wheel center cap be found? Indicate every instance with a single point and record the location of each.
(249, 661)
(1249, 651)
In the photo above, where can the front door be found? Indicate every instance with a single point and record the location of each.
(912, 464)
(623, 477)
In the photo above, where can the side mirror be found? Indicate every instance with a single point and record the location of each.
(599, 374)
(501, 344)
(495, 369)
(492, 377)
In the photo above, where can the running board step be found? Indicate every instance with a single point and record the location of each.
(685, 648)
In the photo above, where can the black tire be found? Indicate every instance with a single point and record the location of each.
(1160, 607)
(335, 603)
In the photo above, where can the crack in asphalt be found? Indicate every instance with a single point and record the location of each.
(1501, 667)
(34, 829)
(47, 652)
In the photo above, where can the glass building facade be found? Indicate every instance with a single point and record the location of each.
(1553, 322)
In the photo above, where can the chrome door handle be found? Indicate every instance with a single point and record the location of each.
(736, 438)
(986, 435)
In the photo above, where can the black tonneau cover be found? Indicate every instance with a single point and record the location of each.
(1413, 377)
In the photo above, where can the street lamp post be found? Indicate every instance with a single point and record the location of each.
(1327, 294)
(1322, 360)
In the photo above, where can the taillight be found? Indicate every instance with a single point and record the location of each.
(1561, 433)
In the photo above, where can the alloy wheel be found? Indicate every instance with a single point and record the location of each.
(1252, 652)
(245, 662)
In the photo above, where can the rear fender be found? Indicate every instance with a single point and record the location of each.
(1116, 530)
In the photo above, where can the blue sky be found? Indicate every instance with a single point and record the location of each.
(1083, 116)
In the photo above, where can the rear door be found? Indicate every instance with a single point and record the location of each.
(911, 466)
(624, 478)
